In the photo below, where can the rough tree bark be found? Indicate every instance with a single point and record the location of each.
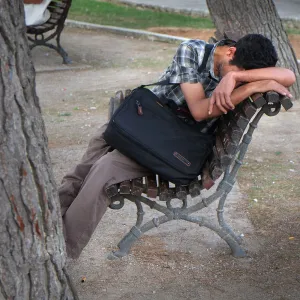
(32, 249)
(256, 16)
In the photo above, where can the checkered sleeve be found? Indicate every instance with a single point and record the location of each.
(186, 62)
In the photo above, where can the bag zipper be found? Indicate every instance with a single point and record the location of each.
(139, 107)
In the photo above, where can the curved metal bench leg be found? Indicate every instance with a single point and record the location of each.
(62, 52)
(177, 213)
(237, 250)
(31, 46)
(229, 230)
(134, 234)
(139, 229)
(222, 222)
(126, 243)
(59, 50)
(44, 42)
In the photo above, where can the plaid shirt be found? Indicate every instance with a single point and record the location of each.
(184, 68)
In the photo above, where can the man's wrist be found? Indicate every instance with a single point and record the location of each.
(237, 76)
(251, 88)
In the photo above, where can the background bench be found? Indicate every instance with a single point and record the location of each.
(53, 27)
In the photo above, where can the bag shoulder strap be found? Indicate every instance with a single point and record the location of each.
(207, 51)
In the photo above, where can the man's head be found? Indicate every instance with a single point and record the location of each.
(253, 51)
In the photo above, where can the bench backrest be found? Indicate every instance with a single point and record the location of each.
(59, 10)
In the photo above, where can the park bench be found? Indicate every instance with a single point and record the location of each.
(233, 136)
(53, 27)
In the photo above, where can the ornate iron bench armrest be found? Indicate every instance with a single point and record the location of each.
(233, 136)
(54, 25)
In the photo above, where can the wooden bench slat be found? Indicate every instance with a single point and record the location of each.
(152, 189)
(224, 157)
(112, 190)
(111, 107)
(127, 93)
(272, 97)
(215, 167)
(230, 127)
(119, 96)
(137, 187)
(228, 143)
(114, 104)
(56, 9)
(241, 120)
(195, 188)
(164, 192)
(258, 100)
(207, 181)
(58, 4)
(286, 102)
(248, 109)
(56, 16)
(125, 187)
(33, 30)
(53, 21)
(181, 192)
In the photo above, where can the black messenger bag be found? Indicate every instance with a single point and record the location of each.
(147, 130)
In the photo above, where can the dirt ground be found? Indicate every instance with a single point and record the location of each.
(205, 34)
(177, 260)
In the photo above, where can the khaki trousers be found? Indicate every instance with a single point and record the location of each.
(82, 193)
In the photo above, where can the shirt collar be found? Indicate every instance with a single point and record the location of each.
(210, 64)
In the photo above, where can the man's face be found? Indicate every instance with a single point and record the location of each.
(225, 67)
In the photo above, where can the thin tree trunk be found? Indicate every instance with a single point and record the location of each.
(32, 249)
(256, 16)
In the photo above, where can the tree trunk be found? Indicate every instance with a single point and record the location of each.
(32, 248)
(256, 16)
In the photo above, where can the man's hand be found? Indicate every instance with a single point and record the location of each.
(222, 93)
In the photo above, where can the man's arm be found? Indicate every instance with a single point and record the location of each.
(222, 94)
(283, 76)
(199, 105)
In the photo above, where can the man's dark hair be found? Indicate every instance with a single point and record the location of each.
(227, 42)
(254, 51)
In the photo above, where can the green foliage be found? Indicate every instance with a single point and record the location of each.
(292, 30)
(64, 114)
(105, 13)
